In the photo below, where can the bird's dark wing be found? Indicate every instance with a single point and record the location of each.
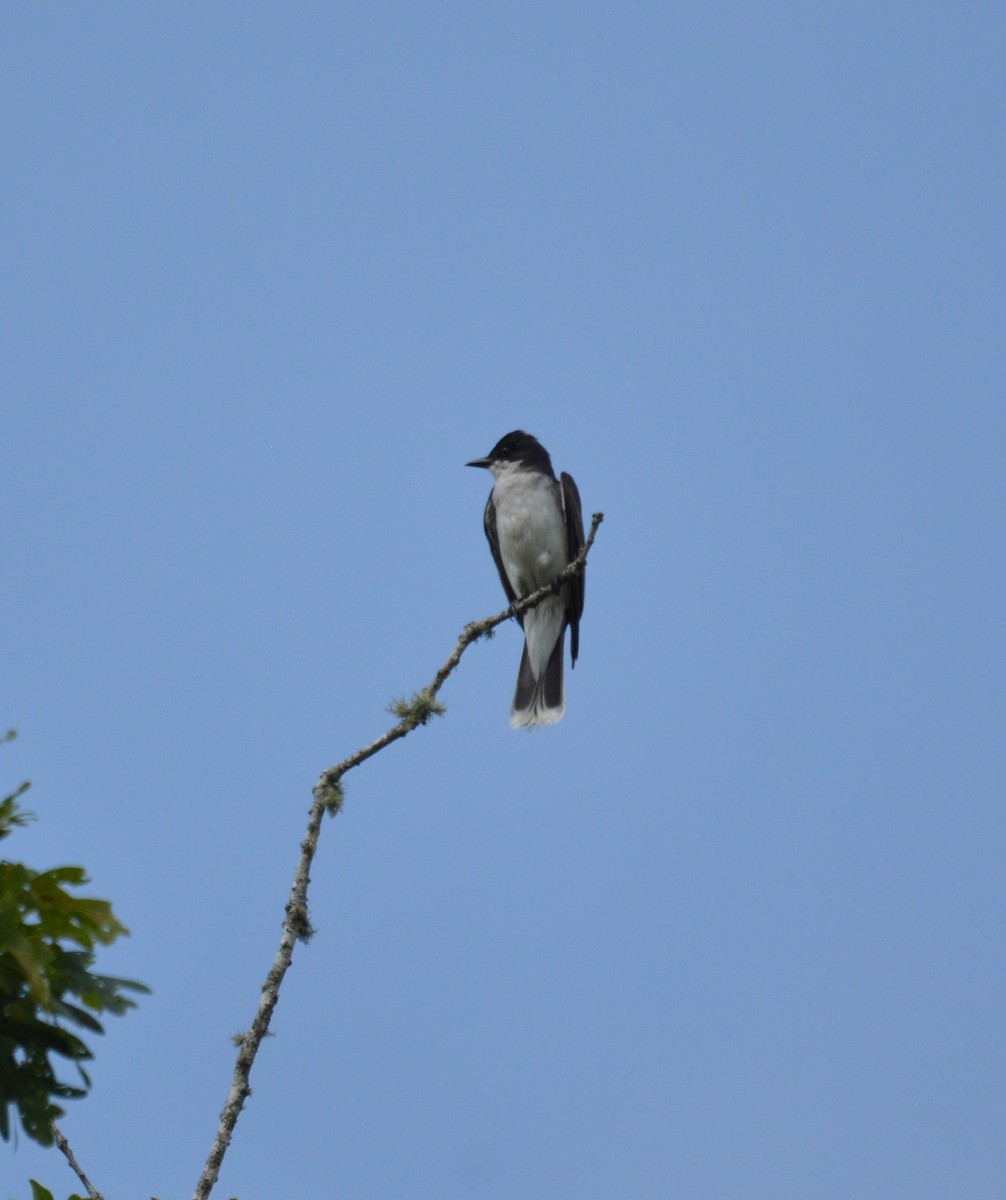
(574, 543)
(489, 520)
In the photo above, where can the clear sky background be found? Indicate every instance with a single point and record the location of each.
(271, 275)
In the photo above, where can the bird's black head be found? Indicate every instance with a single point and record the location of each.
(517, 447)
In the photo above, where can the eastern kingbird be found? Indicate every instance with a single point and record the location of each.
(535, 528)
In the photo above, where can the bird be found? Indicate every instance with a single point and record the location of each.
(534, 526)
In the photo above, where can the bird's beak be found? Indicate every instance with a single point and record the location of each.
(479, 462)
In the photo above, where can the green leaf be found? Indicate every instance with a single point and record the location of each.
(48, 936)
(9, 815)
(38, 1192)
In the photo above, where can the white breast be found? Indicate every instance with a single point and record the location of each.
(529, 524)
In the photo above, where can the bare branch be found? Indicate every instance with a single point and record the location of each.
(64, 1145)
(328, 795)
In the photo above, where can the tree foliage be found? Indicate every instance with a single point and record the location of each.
(48, 939)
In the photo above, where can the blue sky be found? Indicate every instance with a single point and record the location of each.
(271, 275)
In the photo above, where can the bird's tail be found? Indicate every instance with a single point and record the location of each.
(539, 701)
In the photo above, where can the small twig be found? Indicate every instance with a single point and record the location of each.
(64, 1145)
(478, 629)
(328, 798)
